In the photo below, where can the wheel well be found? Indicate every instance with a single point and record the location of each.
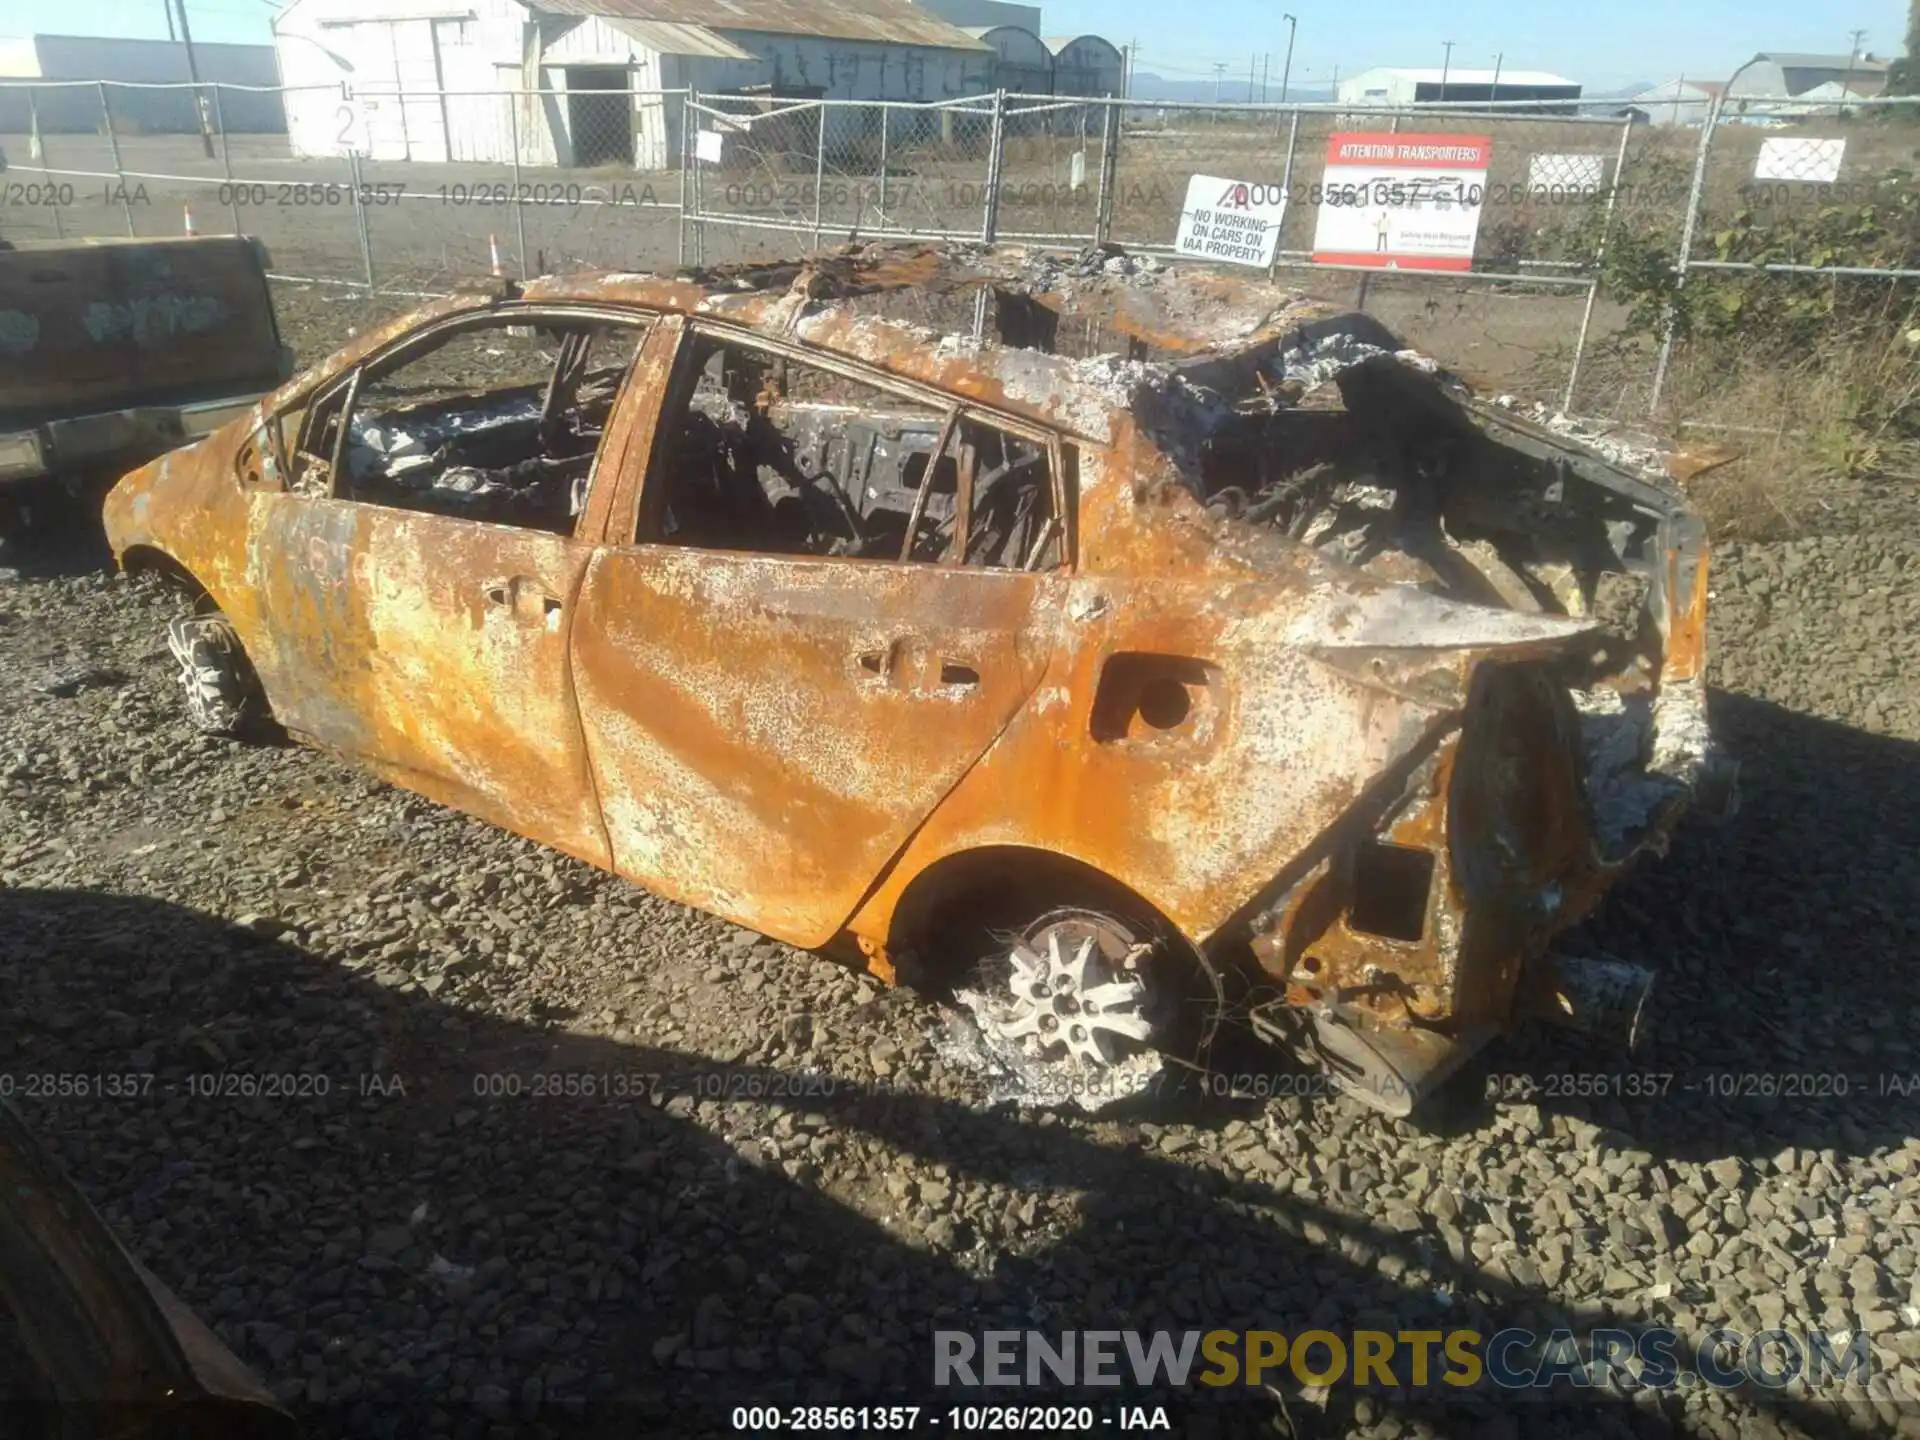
(149, 560)
(949, 907)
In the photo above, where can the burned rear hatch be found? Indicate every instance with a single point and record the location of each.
(1334, 438)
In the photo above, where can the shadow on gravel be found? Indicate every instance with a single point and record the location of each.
(1785, 939)
(350, 1244)
(66, 540)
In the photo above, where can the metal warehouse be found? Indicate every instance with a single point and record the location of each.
(1085, 65)
(1402, 85)
(443, 86)
(76, 108)
(1025, 65)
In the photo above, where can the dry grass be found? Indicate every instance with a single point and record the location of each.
(1844, 417)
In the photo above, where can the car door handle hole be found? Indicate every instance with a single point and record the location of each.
(952, 672)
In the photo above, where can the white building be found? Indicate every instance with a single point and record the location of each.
(1677, 102)
(1401, 85)
(76, 108)
(1776, 75)
(438, 80)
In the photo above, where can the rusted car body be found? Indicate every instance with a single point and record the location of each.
(1245, 638)
(112, 351)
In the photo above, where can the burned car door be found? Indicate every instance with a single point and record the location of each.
(841, 590)
(420, 573)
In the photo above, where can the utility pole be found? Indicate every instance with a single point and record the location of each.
(1678, 90)
(1846, 85)
(1266, 62)
(1219, 73)
(193, 74)
(1446, 69)
(1249, 79)
(1497, 60)
(167, 5)
(1286, 70)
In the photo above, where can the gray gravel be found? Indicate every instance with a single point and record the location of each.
(809, 1189)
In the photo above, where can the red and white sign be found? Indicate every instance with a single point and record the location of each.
(1401, 202)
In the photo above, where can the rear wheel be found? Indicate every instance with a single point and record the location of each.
(1076, 1007)
(223, 694)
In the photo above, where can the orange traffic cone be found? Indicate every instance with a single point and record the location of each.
(186, 220)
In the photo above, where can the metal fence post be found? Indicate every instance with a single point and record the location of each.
(519, 209)
(686, 166)
(996, 157)
(1109, 173)
(1286, 193)
(691, 164)
(1686, 252)
(886, 112)
(360, 216)
(37, 150)
(1599, 256)
(820, 167)
(113, 144)
(226, 157)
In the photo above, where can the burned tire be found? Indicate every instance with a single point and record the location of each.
(223, 694)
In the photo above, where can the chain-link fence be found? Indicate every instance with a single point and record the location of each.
(1801, 240)
(1577, 259)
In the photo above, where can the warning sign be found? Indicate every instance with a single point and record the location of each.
(1231, 220)
(1406, 202)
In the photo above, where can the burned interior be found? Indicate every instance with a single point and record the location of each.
(419, 434)
(767, 452)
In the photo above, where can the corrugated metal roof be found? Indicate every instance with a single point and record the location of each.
(667, 37)
(1057, 43)
(888, 22)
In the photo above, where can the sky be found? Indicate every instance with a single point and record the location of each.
(1601, 43)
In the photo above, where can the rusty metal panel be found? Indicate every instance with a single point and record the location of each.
(768, 731)
(434, 647)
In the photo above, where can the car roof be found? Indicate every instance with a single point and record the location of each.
(908, 309)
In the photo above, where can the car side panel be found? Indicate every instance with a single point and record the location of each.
(768, 731)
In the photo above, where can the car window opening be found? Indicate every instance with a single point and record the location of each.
(768, 454)
(421, 435)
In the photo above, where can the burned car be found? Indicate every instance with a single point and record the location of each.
(1240, 667)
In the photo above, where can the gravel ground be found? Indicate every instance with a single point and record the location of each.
(807, 1189)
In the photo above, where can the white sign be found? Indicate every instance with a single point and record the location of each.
(1231, 220)
(1401, 202)
(708, 145)
(353, 125)
(1815, 161)
(1556, 175)
(1077, 171)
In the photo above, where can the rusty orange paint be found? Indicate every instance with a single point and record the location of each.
(716, 725)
